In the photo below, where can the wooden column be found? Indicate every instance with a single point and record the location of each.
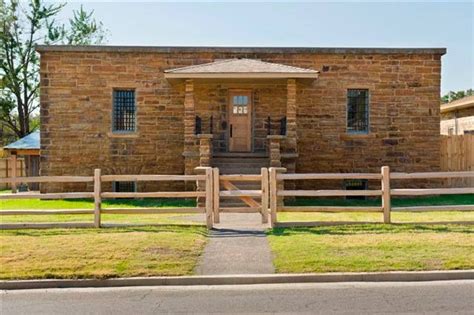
(291, 123)
(216, 190)
(13, 162)
(386, 194)
(264, 187)
(209, 197)
(273, 196)
(97, 197)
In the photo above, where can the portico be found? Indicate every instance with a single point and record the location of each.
(240, 107)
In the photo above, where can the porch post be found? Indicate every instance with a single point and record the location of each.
(191, 153)
(291, 115)
(189, 113)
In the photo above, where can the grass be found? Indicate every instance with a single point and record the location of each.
(397, 217)
(32, 204)
(104, 253)
(372, 247)
(37, 204)
(467, 199)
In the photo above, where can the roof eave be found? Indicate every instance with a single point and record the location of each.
(447, 109)
(243, 75)
(223, 49)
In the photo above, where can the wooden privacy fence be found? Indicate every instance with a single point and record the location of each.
(277, 192)
(6, 170)
(97, 195)
(457, 154)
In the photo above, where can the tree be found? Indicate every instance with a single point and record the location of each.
(21, 29)
(452, 96)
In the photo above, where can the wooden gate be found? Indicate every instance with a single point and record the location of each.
(226, 186)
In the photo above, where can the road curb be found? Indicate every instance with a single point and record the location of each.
(396, 276)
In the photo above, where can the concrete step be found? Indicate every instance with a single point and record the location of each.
(238, 170)
(240, 160)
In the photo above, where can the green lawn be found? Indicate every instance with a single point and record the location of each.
(370, 247)
(37, 204)
(32, 204)
(397, 217)
(467, 199)
(100, 253)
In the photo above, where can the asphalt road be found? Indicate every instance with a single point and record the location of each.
(350, 298)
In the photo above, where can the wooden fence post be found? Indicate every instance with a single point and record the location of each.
(97, 197)
(386, 194)
(216, 190)
(264, 173)
(273, 197)
(209, 197)
(13, 173)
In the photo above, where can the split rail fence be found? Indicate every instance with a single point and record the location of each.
(277, 192)
(271, 195)
(97, 195)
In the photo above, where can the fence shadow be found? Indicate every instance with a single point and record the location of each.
(375, 228)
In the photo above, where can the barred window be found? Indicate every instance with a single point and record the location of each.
(124, 187)
(357, 111)
(124, 111)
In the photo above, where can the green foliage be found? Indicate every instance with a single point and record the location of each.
(452, 96)
(22, 27)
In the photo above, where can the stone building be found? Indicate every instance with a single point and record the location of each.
(457, 117)
(166, 110)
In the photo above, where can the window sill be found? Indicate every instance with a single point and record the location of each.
(351, 136)
(130, 135)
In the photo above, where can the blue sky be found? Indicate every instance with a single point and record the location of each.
(316, 24)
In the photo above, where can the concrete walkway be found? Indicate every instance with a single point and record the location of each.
(237, 245)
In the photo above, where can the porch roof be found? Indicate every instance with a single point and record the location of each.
(28, 145)
(240, 69)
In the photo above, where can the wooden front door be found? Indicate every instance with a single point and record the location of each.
(240, 121)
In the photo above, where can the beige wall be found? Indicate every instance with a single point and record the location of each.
(457, 125)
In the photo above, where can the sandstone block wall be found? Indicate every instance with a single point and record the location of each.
(76, 111)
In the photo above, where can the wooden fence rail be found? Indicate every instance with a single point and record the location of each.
(97, 195)
(277, 192)
(271, 194)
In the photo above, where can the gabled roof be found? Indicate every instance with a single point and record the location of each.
(464, 102)
(29, 142)
(241, 68)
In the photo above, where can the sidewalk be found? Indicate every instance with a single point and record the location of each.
(237, 245)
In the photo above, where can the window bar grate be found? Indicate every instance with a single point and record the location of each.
(357, 110)
(124, 110)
